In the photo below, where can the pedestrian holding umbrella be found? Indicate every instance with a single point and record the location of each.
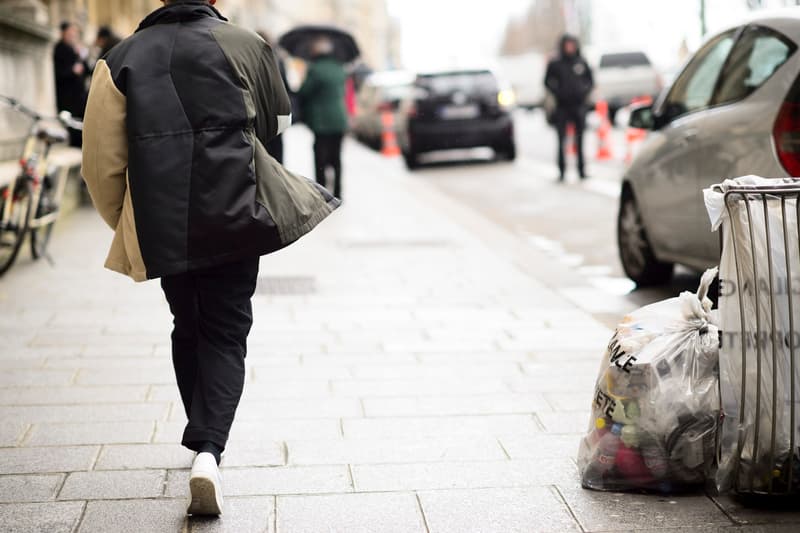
(322, 95)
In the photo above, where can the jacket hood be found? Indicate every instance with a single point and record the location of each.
(564, 40)
(185, 11)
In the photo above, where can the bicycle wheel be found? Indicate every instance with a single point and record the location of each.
(12, 233)
(40, 238)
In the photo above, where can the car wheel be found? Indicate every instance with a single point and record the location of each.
(637, 257)
(506, 152)
(411, 159)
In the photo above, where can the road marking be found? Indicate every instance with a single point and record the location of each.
(607, 188)
(601, 186)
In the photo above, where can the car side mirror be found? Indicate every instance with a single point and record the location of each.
(642, 118)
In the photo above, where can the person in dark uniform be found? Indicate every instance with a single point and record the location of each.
(71, 71)
(570, 81)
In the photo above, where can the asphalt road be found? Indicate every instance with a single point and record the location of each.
(571, 225)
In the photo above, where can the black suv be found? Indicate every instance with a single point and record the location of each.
(456, 109)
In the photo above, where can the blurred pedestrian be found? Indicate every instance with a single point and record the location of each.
(570, 81)
(175, 163)
(71, 72)
(322, 97)
(275, 146)
(106, 40)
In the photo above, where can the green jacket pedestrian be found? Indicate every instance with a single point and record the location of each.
(323, 110)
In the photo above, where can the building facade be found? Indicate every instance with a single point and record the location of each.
(29, 29)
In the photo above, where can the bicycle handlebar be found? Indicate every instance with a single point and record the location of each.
(15, 104)
(65, 117)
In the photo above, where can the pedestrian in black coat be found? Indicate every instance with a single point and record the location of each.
(570, 81)
(106, 40)
(71, 72)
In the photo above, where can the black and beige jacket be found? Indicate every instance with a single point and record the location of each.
(173, 150)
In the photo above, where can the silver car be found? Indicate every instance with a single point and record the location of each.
(622, 76)
(733, 110)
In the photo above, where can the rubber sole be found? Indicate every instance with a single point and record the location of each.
(204, 497)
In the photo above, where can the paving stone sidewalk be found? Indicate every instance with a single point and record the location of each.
(404, 375)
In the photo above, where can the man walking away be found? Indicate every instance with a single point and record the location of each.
(323, 105)
(570, 80)
(174, 160)
(71, 71)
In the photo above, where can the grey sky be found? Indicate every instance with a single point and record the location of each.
(463, 33)
(448, 33)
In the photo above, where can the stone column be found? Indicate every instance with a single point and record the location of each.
(26, 67)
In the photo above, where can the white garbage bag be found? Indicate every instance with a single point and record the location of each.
(759, 317)
(656, 404)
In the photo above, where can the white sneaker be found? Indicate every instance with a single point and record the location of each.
(205, 485)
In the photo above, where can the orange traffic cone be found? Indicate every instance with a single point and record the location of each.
(389, 137)
(633, 137)
(571, 148)
(604, 152)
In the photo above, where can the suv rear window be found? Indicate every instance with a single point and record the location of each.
(627, 59)
(467, 82)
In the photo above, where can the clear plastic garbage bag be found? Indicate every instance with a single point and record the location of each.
(655, 409)
(759, 307)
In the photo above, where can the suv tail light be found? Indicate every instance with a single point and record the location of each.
(786, 131)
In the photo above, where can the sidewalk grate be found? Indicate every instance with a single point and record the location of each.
(286, 285)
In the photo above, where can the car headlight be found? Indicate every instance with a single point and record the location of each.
(506, 98)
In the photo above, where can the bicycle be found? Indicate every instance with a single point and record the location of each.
(31, 202)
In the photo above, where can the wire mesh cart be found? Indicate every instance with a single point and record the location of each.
(759, 308)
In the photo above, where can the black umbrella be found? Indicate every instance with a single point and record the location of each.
(298, 42)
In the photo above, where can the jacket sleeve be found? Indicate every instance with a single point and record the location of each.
(589, 79)
(105, 145)
(275, 109)
(550, 79)
(64, 60)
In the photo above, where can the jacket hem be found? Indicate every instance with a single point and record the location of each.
(292, 234)
(122, 269)
(287, 238)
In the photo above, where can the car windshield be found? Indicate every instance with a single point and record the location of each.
(467, 82)
(627, 59)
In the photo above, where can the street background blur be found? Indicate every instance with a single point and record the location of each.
(425, 361)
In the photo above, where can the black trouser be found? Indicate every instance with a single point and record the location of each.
(213, 315)
(328, 155)
(577, 117)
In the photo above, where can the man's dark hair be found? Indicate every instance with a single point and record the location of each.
(104, 32)
(65, 25)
